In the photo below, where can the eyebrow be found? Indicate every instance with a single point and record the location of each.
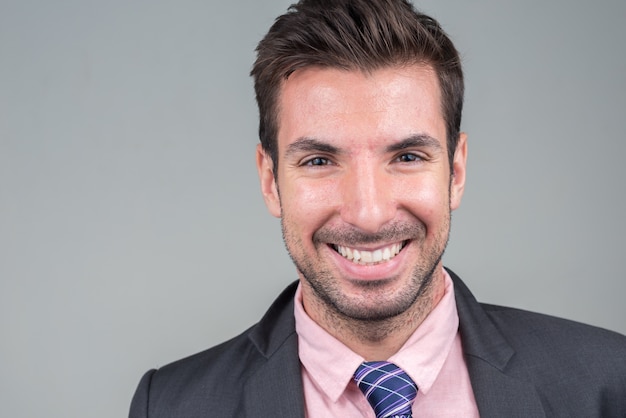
(413, 141)
(307, 144)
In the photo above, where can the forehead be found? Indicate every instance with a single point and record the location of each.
(386, 104)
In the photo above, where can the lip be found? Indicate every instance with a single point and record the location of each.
(370, 272)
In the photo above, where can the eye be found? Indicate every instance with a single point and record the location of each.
(317, 161)
(408, 158)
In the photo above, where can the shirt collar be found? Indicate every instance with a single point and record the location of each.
(425, 352)
(328, 361)
(331, 364)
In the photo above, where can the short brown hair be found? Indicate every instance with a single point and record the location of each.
(360, 35)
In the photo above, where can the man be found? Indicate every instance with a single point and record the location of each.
(362, 158)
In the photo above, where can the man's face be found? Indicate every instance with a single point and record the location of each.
(363, 186)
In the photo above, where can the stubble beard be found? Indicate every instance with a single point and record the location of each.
(374, 315)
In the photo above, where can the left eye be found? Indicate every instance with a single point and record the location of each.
(408, 158)
(317, 161)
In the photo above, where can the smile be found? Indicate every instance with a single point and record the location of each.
(364, 257)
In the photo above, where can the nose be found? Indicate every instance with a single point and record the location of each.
(367, 197)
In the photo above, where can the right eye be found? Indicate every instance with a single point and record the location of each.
(317, 161)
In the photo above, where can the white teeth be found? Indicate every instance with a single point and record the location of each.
(370, 257)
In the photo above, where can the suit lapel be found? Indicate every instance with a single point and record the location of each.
(274, 388)
(499, 395)
(498, 391)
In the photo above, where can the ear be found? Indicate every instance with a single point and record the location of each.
(459, 164)
(265, 167)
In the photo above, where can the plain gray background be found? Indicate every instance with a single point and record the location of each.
(132, 230)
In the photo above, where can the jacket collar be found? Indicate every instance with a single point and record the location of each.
(489, 357)
(275, 389)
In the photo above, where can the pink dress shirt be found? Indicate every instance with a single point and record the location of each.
(432, 357)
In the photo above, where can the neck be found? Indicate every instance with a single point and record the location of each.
(376, 339)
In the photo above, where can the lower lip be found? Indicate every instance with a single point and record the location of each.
(370, 272)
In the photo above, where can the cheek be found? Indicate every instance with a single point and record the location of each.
(308, 205)
(428, 201)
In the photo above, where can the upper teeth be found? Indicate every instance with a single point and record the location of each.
(367, 257)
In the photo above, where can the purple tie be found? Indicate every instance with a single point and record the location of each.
(387, 388)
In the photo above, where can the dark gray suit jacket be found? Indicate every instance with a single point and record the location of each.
(521, 364)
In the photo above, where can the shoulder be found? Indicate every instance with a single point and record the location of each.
(224, 361)
(560, 356)
(547, 335)
(570, 366)
(189, 386)
(540, 336)
(212, 379)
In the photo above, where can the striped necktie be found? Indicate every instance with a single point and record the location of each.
(387, 388)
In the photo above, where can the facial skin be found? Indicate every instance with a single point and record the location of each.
(364, 191)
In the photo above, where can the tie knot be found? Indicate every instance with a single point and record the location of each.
(387, 388)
